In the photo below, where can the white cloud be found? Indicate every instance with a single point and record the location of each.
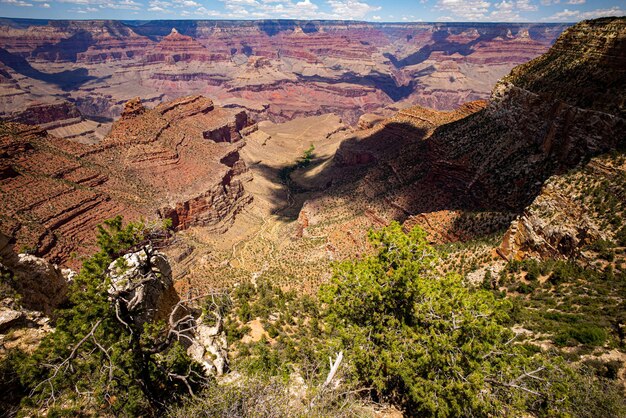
(575, 15)
(465, 9)
(509, 11)
(472, 10)
(85, 10)
(505, 12)
(159, 6)
(297, 9)
(123, 5)
(551, 2)
(104, 4)
(19, 3)
(351, 9)
(526, 6)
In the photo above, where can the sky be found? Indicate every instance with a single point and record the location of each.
(369, 10)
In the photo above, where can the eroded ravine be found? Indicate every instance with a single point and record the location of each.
(263, 240)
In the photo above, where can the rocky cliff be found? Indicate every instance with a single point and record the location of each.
(494, 159)
(178, 160)
(276, 70)
(585, 68)
(41, 286)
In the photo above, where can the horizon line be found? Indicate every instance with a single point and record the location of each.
(307, 20)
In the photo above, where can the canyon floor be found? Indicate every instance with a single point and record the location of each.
(266, 236)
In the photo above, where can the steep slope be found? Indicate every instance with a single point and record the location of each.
(578, 208)
(585, 68)
(179, 159)
(275, 70)
(437, 171)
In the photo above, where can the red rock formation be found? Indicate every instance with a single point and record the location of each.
(51, 201)
(277, 70)
(176, 47)
(48, 115)
(132, 108)
(159, 160)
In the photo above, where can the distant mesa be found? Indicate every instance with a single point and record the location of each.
(298, 68)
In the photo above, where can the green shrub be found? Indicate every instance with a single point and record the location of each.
(587, 334)
(93, 361)
(525, 289)
(604, 249)
(429, 343)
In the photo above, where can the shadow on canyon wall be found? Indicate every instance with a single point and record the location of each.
(66, 49)
(66, 80)
(475, 165)
(442, 44)
(385, 82)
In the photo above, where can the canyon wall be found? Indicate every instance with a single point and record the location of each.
(160, 161)
(469, 173)
(275, 70)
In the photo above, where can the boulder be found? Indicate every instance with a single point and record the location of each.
(41, 284)
(9, 318)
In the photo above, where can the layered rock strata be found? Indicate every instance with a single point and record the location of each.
(154, 161)
(468, 173)
(275, 70)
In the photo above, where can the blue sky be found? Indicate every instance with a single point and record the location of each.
(371, 10)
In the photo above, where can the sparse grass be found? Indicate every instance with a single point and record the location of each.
(568, 304)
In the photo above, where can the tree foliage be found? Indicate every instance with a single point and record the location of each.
(96, 359)
(434, 344)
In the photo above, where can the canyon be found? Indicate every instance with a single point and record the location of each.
(73, 77)
(283, 160)
(232, 188)
(179, 160)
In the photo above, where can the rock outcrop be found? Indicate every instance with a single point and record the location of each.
(552, 227)
(572, 212)
(133, 107)
(9, 318)
(40, 284)
(276, 70)
(48, 116)
(209, 346)
(177, 150)
(178, 160)
(143, 279)
(30, 290)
